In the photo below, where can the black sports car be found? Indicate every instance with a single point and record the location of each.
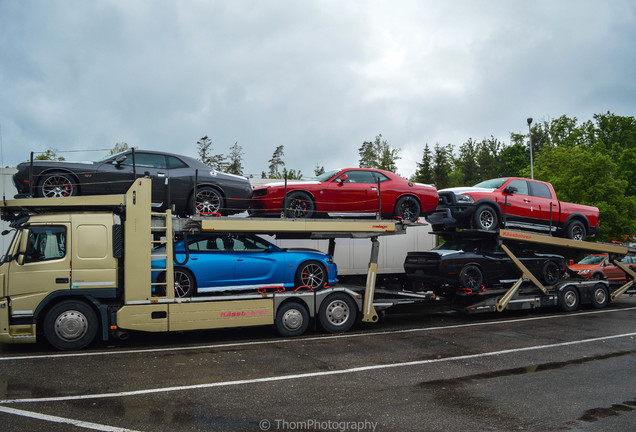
(172, 176)
(475, 263)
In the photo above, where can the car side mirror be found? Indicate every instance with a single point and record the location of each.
(510, 190)
(119, 160)
(343, 178)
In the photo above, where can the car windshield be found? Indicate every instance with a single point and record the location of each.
(111, 156)
(491, 184)
(326, 176)
(592, 259)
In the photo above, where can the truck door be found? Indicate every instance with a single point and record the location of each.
(518, 212)
(42, 266)
(545, 206)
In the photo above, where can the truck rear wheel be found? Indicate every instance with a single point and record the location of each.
(337, 313)
(600, 296)
(70, 325)
(569, 299)
(576, 231)
(292, 319)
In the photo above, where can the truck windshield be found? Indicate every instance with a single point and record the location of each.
(494, 183)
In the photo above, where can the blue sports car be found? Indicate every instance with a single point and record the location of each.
(240, 261)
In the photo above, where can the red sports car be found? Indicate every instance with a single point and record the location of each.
(349, 191)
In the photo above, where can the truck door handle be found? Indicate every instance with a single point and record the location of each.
(526, 200)
(61, 280)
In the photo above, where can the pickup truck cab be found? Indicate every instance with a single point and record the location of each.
(513, 202)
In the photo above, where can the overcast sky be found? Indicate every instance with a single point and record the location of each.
(319, 77)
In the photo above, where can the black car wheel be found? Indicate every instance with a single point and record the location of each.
(208, 200)
(576, 231)
(70, 325)
(311, 274)
(184, 283)
(57, 185)
(337, 313)
(408, 208)
(292, 319)
(299, 205)
(486, 218)
(471, 277)
(600, 296)
(551, 273)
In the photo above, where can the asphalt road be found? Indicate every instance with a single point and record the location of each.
(416, 370)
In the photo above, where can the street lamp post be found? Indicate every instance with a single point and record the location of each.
(530, 138)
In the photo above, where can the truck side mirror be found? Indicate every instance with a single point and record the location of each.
(510, 190)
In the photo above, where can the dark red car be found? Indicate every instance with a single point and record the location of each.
(349, 191)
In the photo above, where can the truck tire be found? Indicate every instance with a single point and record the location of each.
(338, 313)
(486, 218)
(600, 296)
(70, 325)
(292, 319)
(569, 299)
(576, 231)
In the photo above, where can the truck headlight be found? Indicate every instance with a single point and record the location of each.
(465, 199)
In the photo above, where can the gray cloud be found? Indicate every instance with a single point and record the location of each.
(317, 77)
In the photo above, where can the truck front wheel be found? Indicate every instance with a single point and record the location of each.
(70, 325)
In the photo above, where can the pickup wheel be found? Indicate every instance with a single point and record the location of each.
(576, 231)
(486, 218)
(569, 299)
(292, 319)
(70, 325)
(337, 313)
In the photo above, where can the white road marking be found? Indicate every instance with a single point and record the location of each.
(313, 374)
(56, 419)
(305, 339)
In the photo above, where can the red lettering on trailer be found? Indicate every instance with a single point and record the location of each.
(243, 313)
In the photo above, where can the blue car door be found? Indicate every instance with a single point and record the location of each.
(257, 263)
(212, 266)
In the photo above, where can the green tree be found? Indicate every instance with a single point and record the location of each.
(514, 159)
(378, 154)
(466, 164)
(235, 165)
(118, 148)
(318, 170)
(488, 153)
(442, 165)
(49, 154)
(586, 176)
(216, 161)
(276, 162)
(424, 172)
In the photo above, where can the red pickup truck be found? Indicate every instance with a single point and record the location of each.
(513, 202)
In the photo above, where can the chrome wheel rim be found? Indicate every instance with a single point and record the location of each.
(292, 319)
(208, 202)
(312, 275)
(71, 325)
(182, 283)
(57, 186)
(337, 312)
